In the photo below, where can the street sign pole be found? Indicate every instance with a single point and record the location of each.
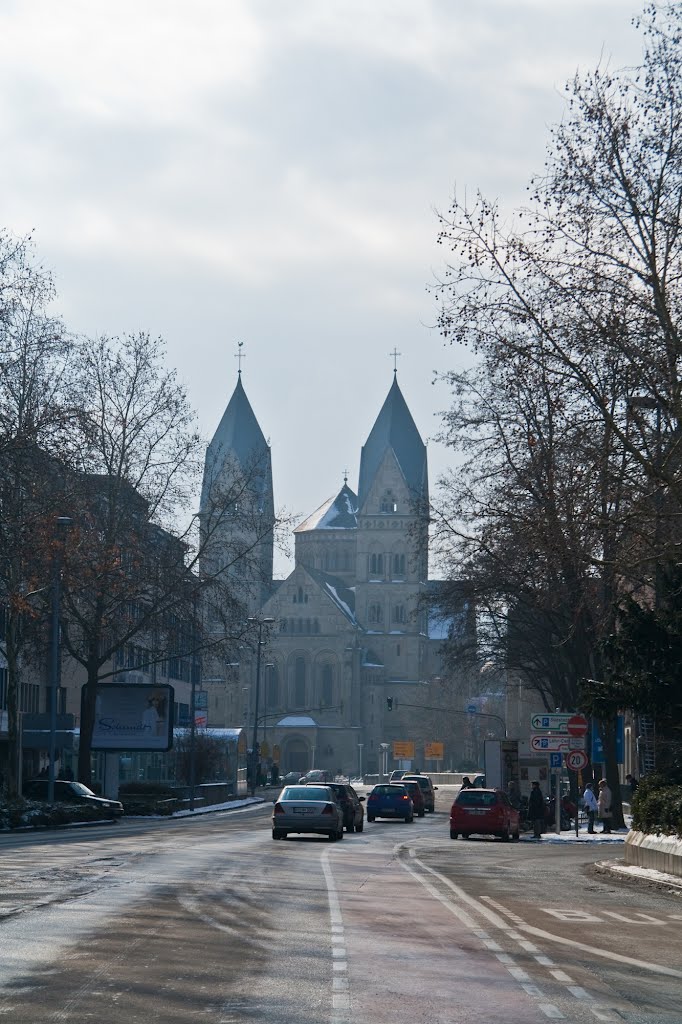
(557, 803)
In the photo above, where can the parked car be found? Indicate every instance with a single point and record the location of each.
(397, 775)
(307, 809)
(483, 812)
(290, 778)
(479, 782)
(67, 792)
(417, 795)
(316, 776)
(351, 805)
(428, 790)
(390, 800)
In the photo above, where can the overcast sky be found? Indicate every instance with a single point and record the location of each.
(268, 171)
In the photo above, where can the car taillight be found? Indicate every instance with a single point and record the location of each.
(328, 809)
(278, 809)
(406, 797)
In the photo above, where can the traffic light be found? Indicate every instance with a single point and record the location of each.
(389, 703)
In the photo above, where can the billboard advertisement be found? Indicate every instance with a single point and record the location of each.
(133, 716)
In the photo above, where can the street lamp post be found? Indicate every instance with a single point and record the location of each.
(260, 621)
(62, 522)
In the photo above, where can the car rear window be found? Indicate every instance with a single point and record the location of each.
(306, 793)
(424, 783)
(476, 798)
(388, 790)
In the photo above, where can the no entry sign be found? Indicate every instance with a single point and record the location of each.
(577, 725)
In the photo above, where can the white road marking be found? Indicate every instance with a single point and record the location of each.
(552, 1011)
(561, 976)
(340, 985)
(579, 992)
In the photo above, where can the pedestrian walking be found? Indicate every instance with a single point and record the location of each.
(536, 810)
(632, 783)
(466, 783)
(604, 811)
(591, 806)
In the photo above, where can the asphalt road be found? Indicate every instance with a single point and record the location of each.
(206, 919)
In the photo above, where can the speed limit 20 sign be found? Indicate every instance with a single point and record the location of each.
(576, 760)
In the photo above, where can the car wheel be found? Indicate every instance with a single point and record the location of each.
(504, 836)
(465, 835)
(453, 834)
(331, 837)
(515, 836)
(277, 833)
(359, 828)
(351, 827)
(408, 821)
(370, 817)
(339, 834)
(421, 813)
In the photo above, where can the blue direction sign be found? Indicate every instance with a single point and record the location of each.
(598, 748)
(472, 709)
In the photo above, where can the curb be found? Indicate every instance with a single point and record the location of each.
(633, 873)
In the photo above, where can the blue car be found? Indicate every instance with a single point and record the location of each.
(390, 800)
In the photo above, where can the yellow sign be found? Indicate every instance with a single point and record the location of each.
(403, 748)
(434, 751)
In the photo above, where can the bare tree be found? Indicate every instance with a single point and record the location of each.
(35, 373)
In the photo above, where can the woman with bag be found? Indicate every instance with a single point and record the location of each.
(604, 805)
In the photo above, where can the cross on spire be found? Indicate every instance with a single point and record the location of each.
(240, 355)
(345, 476)
(394, 355)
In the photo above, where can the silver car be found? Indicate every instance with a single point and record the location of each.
(310, 809)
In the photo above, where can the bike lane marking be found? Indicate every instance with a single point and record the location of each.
(550, 1010)
(601, 1012)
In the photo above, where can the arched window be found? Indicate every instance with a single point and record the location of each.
(397, 564)
(327, 685)
(299, 682)
(388, 503)
(375, 613)
(376, 564)
(272, 686)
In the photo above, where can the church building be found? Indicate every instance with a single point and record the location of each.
(352, 629)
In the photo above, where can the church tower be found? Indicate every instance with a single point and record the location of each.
(237, 506)
(392, 556)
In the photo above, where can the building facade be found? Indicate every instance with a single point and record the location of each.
(351, 626)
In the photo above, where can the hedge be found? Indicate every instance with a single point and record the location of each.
(22, 813)
(657, 806)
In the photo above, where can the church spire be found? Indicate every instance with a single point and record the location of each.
(394, 429)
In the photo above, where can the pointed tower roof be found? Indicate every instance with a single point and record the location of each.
(339, 513)
(239, 431)
(239, 438)
(394, 429)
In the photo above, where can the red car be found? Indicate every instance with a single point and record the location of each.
(415, 791)
(485, 812)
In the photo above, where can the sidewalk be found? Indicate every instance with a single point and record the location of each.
(569, 836)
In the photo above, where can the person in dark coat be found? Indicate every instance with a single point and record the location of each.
(536, 810)
(466, 783)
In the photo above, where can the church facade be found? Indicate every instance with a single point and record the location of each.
(352, 629)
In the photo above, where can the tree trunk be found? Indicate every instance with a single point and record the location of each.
(13, 706)
(87, 723)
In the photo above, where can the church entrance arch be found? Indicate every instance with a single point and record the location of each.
(295, 755)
